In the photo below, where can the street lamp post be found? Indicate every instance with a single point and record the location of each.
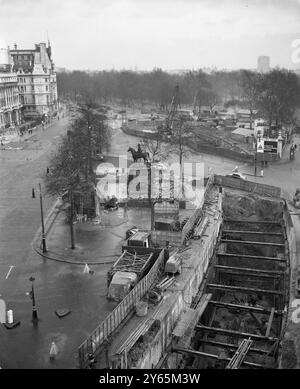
(255, 159)
(42, 220)
(34, 310)
(72, 219)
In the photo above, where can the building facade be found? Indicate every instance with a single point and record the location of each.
(10, 105)
(37, 80)
(263, 64)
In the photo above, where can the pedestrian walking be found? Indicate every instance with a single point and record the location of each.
(33, 193)
(48, 170)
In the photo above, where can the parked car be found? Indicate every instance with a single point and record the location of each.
(111, 204)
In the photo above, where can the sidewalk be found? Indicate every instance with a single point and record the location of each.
(95, 244)
(18, 140)
(286, 151)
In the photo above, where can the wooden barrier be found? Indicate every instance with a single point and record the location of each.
(94, 342)
(248, 186)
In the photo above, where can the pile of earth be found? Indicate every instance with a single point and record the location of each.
(251, 207)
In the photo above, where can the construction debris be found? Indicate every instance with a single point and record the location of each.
(200, 228)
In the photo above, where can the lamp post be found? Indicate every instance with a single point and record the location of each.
(255, 158)
(72, 219)
(42, 220)
(34, 310)
(259, 149)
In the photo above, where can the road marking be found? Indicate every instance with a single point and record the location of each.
(8, 273)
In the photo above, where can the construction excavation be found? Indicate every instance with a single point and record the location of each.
(243, 322)
(217, 297)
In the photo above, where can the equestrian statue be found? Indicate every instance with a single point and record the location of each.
(138, 154)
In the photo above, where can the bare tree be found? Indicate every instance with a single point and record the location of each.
(71, 166)
(155, 152)
(63, 179)
(250, 86)
(181, 132)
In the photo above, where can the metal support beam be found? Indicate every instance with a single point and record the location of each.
(258, 322)
(270, 322)
(243, 307)
(243, 256)
(213, 356)
(233, 346)
(252, 232)
(249, 271)
(244, 289)
(234, 273)
(252, 242)
(252, 221)
(223, 331)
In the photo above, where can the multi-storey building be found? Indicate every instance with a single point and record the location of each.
(10, 107)
(37, 80)
(263, 64)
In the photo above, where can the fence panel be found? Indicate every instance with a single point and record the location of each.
(93, 343)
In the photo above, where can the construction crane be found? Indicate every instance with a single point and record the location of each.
(175, 104)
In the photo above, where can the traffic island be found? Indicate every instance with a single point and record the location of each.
(94, 244)
(62, 312)
(11, 325)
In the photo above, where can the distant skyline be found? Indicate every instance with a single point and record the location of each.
(143, 34)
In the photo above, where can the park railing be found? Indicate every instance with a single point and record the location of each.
(111, 323)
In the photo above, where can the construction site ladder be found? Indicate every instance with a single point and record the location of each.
(240, 354)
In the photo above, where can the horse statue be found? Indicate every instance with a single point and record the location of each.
(136, 155)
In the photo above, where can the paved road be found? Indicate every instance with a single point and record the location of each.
(285, 174)
(58, 285)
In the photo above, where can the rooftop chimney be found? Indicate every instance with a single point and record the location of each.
(15, 46)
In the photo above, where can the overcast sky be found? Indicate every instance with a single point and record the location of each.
(171, 34)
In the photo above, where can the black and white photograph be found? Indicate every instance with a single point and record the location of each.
(149, 188)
